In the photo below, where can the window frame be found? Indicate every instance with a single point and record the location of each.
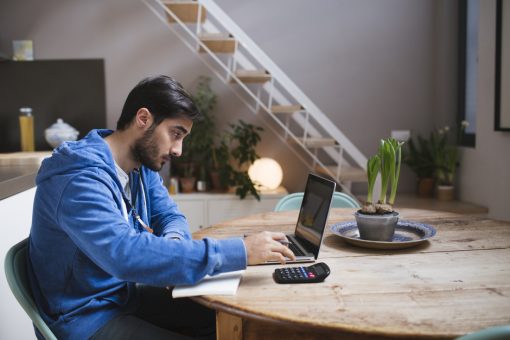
(466, 138)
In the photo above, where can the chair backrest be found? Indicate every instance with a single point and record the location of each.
(17, 278)
(493, 333)
(293, 201)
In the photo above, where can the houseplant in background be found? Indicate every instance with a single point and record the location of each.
(446, 156)
(418, 156)
(377, 221)
(435, 161)
(224, 156)
(234, 154)
(196, 148)
(187, 176)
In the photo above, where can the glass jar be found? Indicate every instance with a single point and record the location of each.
(26, 127)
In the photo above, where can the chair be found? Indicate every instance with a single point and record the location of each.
(493, 333)
(17, 278)
(293, 201)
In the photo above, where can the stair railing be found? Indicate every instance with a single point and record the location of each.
(274, 95)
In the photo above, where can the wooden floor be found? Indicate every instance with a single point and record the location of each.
(412, 201)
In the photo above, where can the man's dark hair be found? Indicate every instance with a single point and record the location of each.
(163, 96)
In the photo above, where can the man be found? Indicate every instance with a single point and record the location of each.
(106, 238)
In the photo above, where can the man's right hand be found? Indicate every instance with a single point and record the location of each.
(265, 246)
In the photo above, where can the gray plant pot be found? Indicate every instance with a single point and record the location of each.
(376, 227)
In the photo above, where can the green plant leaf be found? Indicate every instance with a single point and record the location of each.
(373, 166)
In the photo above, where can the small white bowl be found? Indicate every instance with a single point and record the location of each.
(60, 132)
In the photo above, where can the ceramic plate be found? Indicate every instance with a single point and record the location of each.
(407, 234)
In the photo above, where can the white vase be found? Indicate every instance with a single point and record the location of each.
(60, 132)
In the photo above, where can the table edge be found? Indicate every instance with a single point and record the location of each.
(299, 324)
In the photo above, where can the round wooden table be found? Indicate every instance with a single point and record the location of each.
(456, 283)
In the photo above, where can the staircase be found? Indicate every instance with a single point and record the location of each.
(234, 58)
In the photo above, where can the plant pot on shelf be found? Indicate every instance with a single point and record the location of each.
(445, 192)
(376, 227)
(426, 187)
(188, 184)
(215, 180)
(216, 184)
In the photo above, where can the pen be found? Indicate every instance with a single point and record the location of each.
(145, 226)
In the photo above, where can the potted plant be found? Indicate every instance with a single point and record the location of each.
(187, 177)
(446, 158)
(234, 154)
(227, 161)
(196, 149)
(435, 161)
(219, 172)
(418, 156)
(377, 221)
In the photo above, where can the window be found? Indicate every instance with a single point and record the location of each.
(468, 68)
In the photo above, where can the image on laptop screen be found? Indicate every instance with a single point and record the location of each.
(314, 210)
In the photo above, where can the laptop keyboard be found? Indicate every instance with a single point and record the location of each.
(295, 249)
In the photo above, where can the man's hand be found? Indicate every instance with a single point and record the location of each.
(264, 247)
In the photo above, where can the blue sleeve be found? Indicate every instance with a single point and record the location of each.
(90, 213)
(165, 217)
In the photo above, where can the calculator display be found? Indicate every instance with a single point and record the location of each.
(319, 271)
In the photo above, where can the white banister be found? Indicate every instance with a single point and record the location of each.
(282, 78)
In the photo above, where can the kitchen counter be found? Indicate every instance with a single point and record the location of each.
(18, 171)
(16, 178)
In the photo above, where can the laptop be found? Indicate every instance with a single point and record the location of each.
(313, 214)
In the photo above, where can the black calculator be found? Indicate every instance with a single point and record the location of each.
(314, 273)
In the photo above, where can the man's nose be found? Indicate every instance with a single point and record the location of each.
(176, 149)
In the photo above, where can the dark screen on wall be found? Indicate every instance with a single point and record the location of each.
(73, 90)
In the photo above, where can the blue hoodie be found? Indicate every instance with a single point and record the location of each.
(84, 257)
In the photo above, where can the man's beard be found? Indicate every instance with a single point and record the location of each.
(146, 150)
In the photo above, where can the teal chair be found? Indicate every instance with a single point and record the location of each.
(293, 201)
(17, 278)
(493, 333)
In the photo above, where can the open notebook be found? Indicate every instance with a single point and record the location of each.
(221, 284)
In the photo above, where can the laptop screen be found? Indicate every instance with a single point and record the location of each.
(314, 210)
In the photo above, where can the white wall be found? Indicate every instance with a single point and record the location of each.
(16, 212)
(370, 66)
(484, 175)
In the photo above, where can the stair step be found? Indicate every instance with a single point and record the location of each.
(252, 76)
(317, 142)
(348, 173)
(286, 108)
(218, 43)
(186, 11)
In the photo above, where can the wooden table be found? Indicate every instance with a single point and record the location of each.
(457, 283)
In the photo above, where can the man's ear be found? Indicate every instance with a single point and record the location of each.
(143, 118)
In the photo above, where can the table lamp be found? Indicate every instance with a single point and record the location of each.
(267, 173)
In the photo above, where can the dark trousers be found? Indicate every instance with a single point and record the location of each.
(161, 317)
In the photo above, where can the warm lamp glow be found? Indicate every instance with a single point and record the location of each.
(266, 172)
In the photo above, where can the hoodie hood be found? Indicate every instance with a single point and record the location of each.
(90, 151)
